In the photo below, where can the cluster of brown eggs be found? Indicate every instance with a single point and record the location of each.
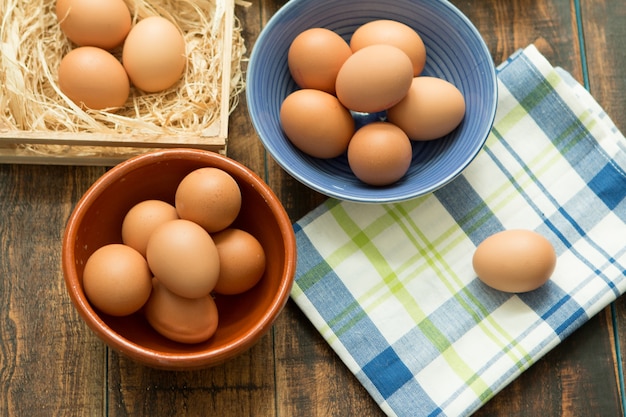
(379, 70)
(91, 75)
(174, 258)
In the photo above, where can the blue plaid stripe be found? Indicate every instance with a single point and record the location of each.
(607, 184)
(391, 287)
(469, 210)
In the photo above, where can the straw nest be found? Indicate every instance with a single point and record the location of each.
(32, 46)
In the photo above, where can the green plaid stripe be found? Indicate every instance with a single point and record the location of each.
(391, 287)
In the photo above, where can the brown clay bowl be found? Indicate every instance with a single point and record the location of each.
(243, 319)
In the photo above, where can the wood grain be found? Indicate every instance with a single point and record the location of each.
(568, 381)
(245, 386)
(51, 364)
(604, 36)
(310, 379)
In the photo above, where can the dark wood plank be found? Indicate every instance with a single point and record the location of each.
(604, 35)
(577, 377)
(50, 363)
(551, 26)
(244, 386)
(310, 378)
(508, 26)
(574, 379)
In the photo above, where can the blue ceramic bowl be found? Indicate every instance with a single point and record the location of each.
(455, 51)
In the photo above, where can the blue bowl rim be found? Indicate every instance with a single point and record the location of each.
(375, 198)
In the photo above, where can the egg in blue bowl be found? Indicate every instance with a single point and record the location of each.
(455, 53)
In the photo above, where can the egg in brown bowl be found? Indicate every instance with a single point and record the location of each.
(244, 318)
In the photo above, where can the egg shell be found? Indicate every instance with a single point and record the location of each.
(142, 219)
(181, 319)
(183, 256)
(315, 57)
(379, 153)
(374, 78)
(515, 260)
(101, 23)
(154, 54)
(209, 197)
(117, 280)
(93, 78)
(391, 32)
(242, 261)
(432, 108)
(316, 123)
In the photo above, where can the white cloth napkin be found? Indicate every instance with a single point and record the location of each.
(391, 287)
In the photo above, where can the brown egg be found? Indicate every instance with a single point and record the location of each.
(117, 280)
(181, 319)
(154, 54)
(242, 261)
(209, 197)
(93, 78)
(432, 108)
(183, 256)
(374, 78)
(391, 32)
(316, 123)
(142, 219)
(100, 23)
(379, 153)
(314, 58)
(514, 260)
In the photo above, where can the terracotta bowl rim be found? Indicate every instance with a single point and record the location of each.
(178, 360)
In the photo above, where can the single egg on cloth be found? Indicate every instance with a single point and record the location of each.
(142, 219)
(379, 153)
(374, 78)
(514, 260)
(117, 280)
(316, 123)
(183, 320)
(93, 78)
(183, 256)
(154, 54)
(101, 23)
(431, 109)
(209, 197)
(315, 57)
(391, 32)
(242, 261)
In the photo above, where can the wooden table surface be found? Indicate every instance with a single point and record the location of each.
(52, 365)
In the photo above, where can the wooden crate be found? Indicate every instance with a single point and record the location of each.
(63, 148)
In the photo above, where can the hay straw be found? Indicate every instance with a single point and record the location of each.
(32, 46)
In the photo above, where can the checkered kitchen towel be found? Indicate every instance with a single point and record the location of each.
(392, 289)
